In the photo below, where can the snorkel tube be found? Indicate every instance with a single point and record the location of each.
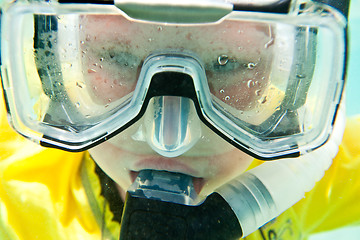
(159, 204)
(263, 193)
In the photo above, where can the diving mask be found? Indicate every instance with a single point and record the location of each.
(268, 83)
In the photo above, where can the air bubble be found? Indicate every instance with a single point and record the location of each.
(82, 42)
(160, 28)
(257, 92)
(222, 91)
(223, 59)
(77, 104)
(101, 59)
(227, 98)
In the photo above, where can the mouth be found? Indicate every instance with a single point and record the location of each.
(197, 182)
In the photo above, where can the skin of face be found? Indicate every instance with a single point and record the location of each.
(233, 55)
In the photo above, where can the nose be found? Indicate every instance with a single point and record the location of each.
(172, 126)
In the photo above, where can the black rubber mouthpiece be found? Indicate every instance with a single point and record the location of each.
(153, 219)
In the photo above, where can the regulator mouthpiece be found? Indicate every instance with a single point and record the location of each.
(161, 205)
(164, 186)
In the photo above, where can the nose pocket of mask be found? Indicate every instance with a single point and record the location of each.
(172, 126)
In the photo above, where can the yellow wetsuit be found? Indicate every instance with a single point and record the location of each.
(51, 194)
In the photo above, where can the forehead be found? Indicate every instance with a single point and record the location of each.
(121, 25)
(224, 37)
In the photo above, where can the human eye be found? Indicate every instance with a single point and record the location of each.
(114, 58)
(119, 58)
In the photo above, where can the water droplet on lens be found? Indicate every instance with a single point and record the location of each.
(263, 100)
(300, 75)
(250, 83)
(223, 59)
(251, 65)
(56, 84)
(269, 43)
(80, 85)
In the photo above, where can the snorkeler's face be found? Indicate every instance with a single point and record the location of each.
(236, 60)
